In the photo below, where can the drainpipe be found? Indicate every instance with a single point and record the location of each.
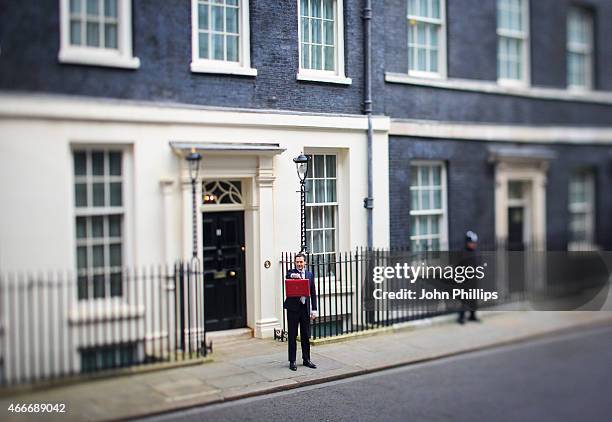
(368, 202)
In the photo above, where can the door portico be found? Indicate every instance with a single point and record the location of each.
(252, 165)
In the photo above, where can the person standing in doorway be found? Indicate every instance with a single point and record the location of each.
(300, 310)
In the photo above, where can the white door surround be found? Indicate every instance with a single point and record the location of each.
(253, 165)
(522, 165)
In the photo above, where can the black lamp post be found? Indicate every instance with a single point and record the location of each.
(301, 163)
(193, 161)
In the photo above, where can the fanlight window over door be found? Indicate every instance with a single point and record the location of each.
(216, 192)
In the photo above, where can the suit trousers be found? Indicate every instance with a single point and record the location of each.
(301, 318)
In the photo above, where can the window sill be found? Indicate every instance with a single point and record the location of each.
(326, 78)
(98, 58)
(492, 87)
(199, 67)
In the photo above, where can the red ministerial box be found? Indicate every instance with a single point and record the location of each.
(297, 287)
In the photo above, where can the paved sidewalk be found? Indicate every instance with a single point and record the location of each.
(254, 366)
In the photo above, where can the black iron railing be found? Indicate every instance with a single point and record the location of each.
(345, 289)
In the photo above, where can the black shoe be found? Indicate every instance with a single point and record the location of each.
(461, 321)
(309, 364)
(292, 366)
(475, 319)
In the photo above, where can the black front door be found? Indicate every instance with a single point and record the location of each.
(516, 246)
(516, 220)
(224, 275)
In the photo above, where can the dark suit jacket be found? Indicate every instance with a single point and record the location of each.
(294, 303)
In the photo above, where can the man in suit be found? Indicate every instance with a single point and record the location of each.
(300, 310)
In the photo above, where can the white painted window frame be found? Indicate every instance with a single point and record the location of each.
(337, 76)
(577, 48)
(122, 57)
(442, 39)
(242, 66)
(443, 212)
(335, 204)
(90, 211)
(588, 208)
(524, 37)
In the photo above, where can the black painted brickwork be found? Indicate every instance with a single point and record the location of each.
(471, 188)
(29, 32)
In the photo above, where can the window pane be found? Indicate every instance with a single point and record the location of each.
(98, 256)
(114, 226)
(217, 18)
(80, 163)
(115, 194)
(320, 191)
(421, 59)
(436, 175)
(305, 30)
(81, 257)
(414, 199)
(232, 48)
(203, 16)
(315, 8)
(116, 285)
(412, 7)
(110, 8)
(93, 34)
(98, 281)
(316, 31)
(82, 291)
(423, 8)
(329, 217)
(424, 180)
(203, 45)
(218, 47)
(110, 35)
(114, 159)
(317, 238)
(305, 56)
(75, 6)
(328, 9)
(97, 163)
(97, 227)
(93, 7)
(330, 166)
(437, 199)
(329, 58)
(115, 255)
(319, 166)
(328, 32)
(75, 32)
(433, 60)
(435, 226)
(309, 191)
(231, 20)
(98, 194)
(435, 4)
(433, 35)
(317, 217)
(81, 227)
(331, 190)
(304, 7)
(80, 194)
(329, 241)
(425, 205)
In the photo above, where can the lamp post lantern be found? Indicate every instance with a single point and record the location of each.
(301, 163)
(193, 161)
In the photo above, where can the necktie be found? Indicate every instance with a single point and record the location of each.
(303, 298)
